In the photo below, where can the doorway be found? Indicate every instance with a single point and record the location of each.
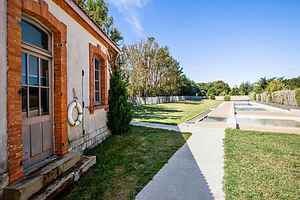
(36, 89)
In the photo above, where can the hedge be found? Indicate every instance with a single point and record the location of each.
(227, 98)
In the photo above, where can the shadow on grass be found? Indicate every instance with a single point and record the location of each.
(191, 102)
(159, 122)
(149, 109)
(126, 163)
(156, 116)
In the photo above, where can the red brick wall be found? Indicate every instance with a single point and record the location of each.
(95, 51)
(38, 10)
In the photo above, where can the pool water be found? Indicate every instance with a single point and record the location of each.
(249, 109)
(243, 104)
(269, 122)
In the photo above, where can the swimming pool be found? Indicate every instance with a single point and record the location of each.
(249, 109)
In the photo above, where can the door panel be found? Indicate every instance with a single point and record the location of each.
(36, 106)
(47, 136)
(26, 142)
(36, 139)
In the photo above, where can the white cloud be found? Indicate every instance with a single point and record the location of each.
(129, 4)
(130, 8)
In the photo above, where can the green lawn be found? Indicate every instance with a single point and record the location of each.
(172, 113)
(126, 163)
(262, 166)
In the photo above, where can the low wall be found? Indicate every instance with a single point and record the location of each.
(234, 98)
(283, 97)
(162, 99)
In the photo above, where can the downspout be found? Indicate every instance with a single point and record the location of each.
(83, 106)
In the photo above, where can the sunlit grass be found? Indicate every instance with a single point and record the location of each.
(172, 113)
(261, 166)
(126, 163)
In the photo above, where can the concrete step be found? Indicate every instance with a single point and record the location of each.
(49, 178)
(67, 179)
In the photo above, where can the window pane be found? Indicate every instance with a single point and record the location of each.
(97, 75)
(97, 64)
(45, 101)
(97, 86)
(34, 35)
(33, 70)
(97, 97)
(44, 73)
(33, 98)
(24, 99)
(24, 68)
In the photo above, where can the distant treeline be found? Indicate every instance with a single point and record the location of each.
(220, 88)
(150, 70)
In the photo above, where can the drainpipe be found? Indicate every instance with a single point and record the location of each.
(83, 106)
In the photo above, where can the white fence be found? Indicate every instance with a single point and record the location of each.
(162, 99)
(283, 97)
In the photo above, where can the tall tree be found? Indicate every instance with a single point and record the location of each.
(97, 10)
(275, 85)
(150, 69)
(245, 88)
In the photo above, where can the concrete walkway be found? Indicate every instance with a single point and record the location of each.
(194, 172)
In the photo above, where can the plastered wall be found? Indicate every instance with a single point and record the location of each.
(78, 40)
(3, 68)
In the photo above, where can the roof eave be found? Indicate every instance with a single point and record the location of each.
(92, 24)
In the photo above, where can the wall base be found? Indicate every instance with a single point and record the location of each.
(90, 140)
(3, 183)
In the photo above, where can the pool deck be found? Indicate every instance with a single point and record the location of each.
(223, 110)
(226, 110)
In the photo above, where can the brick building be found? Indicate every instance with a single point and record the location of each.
(52, 55)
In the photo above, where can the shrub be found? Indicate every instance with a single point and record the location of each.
(298, 96)
(119, 114)
(227, 98)
(212, 97)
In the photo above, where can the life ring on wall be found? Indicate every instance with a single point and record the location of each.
(77, 121)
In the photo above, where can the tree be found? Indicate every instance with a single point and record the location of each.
(97, 10)
(257, 88)
(234, 91)
(275, 85)
(219, 88)
(211, 92)
(203, 87)
(119, 114)
(263, 83)
(189, 87)
(292, 83)
(151, 70)
(245, 88)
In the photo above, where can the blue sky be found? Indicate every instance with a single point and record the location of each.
(231, 40)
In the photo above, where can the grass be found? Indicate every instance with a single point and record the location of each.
(261, 165)
(126, 163)
(172, 113)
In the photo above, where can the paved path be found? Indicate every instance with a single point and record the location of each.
(223, 110)
(194, 172)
